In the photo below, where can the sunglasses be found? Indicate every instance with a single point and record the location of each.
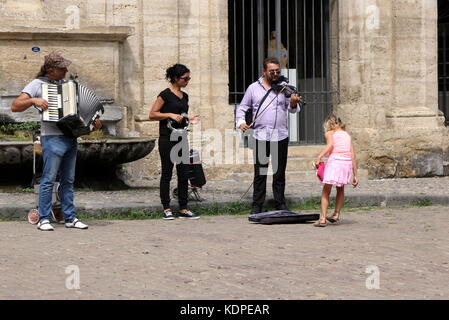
(275, 71)
(185, 78)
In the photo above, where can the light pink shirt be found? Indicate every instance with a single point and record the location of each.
(341, 144)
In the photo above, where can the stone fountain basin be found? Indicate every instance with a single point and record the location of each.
(111, 151)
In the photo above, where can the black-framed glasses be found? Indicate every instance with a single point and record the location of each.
(272, 72)
(186, 78)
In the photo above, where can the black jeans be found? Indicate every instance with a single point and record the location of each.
(279, 152)
(165, 148)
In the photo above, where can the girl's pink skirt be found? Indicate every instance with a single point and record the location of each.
(338, 171)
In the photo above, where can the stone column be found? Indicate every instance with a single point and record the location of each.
(203, 47)
(193, 33)
(389, 85)
(156, 50)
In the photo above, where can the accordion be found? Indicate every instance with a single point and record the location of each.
(72, 106)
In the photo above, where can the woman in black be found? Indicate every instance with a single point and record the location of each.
(170, 104)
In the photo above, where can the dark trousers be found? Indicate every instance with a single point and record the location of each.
(167, 163)
(262, 151)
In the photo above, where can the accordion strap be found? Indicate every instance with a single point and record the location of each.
(48, 80)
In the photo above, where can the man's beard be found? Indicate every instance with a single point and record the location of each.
(271, 79)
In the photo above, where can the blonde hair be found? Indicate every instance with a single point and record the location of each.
(332, 122)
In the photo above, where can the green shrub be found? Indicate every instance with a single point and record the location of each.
(424, 202)
(11, 128)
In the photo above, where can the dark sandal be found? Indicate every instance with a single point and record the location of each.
(319, 224)
(332, 219)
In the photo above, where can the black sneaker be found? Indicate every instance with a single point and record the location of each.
(282, 207)
(168, 215)
(256, 210)
(188, 215)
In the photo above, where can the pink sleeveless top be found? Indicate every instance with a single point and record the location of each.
(342, 144)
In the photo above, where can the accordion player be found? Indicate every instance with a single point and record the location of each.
(72, 106)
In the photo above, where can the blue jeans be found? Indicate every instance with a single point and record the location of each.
(59, 154)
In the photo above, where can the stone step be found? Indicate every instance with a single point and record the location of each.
(297, 152)
(446, 168)
(299, 158)
(293, 164)
(290, 175)
(307, 151)
(301, 175)
(303, 164)
(299, 166)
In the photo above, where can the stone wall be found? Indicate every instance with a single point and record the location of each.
(385, 70)
(95, 35)
(389, 85)
(193, 33)
(128, 67)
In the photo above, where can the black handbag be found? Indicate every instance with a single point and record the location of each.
(196, 173)
(249, 116)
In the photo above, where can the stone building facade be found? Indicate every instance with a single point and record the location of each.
(389, 86)
(384, 61)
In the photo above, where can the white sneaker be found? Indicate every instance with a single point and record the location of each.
(188, 215)
(45, 225)
(76, 224)
(168, 215)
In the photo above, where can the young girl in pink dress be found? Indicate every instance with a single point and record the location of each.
(340, 168)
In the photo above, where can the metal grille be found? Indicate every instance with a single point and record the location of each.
(443, 58)
(297, 32)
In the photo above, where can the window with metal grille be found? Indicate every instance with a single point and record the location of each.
(298, 33)
(443, 58)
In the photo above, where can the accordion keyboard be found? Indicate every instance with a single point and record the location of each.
(62, 100)
(51, 93)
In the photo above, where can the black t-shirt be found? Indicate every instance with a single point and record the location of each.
(172, 104)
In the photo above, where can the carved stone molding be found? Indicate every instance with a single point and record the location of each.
(111, 33)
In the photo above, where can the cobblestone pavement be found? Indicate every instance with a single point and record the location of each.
(369, 192)
(227, 257)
